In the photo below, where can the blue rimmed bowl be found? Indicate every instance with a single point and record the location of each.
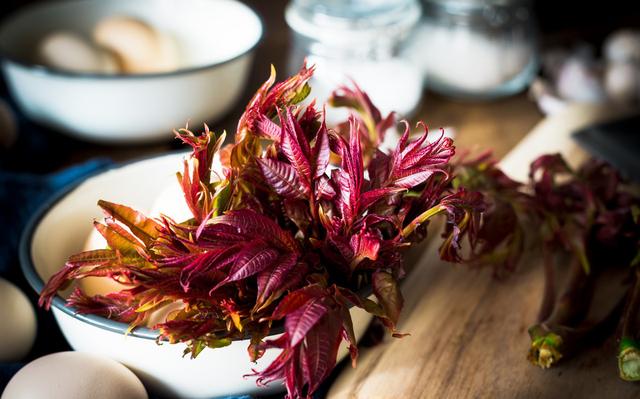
(61, 227)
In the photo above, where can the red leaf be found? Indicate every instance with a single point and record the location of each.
(283, 178)
(256, 225)
(200, 264)
(294, 300)
(414, 163)
(412, 178)
(321, 151)
(265, 127)
(372, 196)
(365, 244)
(293, 148)
(300, 321)
(277, 278)
(386, 290)
(321, 349)
(252, 260)
(324, 189)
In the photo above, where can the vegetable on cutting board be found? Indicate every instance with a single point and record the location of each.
(469, 331)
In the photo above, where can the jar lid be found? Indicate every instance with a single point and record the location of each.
(351, 20)
(475, 4)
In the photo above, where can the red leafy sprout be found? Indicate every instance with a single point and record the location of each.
(302, 223)
(585, 223)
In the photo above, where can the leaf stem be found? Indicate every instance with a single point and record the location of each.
(549, 296)
(629, 347)
(424, 216)
(556, 336)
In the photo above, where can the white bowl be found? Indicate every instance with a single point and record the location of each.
(68, 217)
(217, 38)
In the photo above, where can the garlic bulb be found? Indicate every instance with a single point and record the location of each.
(579, 81)
(622, 82)
(623, 46)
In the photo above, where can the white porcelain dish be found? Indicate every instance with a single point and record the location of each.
(216, 37)
(67, 217)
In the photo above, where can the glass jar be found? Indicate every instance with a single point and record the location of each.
(358, 40)
(476, 49)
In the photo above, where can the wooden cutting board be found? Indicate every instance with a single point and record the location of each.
(469, 332)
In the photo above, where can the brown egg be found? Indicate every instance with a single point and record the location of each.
(69, 51)
(18, 327)
(74, 375)
(138, 46)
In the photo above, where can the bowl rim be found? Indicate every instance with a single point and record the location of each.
(28, 269)
(45, 70)
(35, 281)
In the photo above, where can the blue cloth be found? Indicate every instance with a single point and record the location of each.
(20, 195)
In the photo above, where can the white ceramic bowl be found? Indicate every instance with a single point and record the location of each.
(61, 228)
(217, 39)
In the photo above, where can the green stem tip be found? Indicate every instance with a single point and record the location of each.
(545, 349)
(629, 360)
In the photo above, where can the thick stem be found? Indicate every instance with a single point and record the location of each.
(556, 336)
(573, 304)
(549, 296)
(629, 347)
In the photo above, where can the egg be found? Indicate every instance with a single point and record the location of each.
(139, 47)
(622, 82)
(18, 326)
(622, 46)
(69, 51)
(8, 125)
(74, 375)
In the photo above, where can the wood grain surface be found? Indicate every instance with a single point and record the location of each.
(469, 331)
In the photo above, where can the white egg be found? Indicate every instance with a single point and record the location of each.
(139, 47)
(622, 46)
(69, 51)
(18, 326)
(622, 82)
(74, 375)
(8, 125)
